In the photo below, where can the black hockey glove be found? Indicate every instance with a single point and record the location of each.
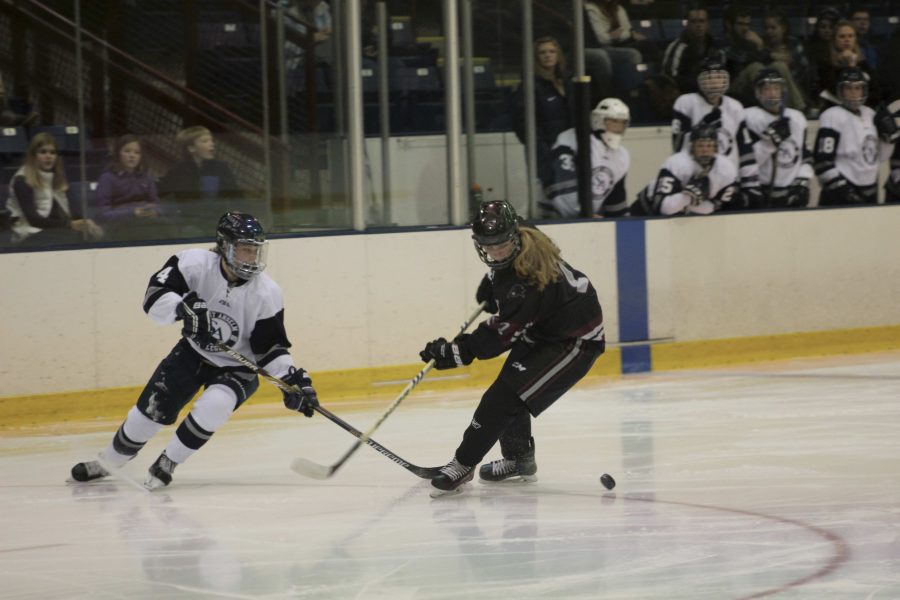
(485, 293)
(304, 400)
(197, 323)
(851, 196)
(447, 355)
(698, 189)
(886, 125)
(798, 193)
(778, 131)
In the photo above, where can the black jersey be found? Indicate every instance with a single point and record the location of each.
(567, 309)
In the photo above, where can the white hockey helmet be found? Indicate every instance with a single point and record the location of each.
(610, 108)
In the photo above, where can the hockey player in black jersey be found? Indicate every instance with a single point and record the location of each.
(694, 181)
(221, 296)
(547, 316)
(852, 140)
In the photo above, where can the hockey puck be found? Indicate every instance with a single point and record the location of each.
(607, 481)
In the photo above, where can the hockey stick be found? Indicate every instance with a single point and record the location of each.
(317, 471)
(423, 472)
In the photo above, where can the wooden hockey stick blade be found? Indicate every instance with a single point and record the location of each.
(317, 471)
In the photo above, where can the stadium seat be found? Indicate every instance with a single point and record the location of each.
(68, 138)
(649, 28)
(13, 140)
(671, 28)
(213, 35)
(401, 32)
(414, 79)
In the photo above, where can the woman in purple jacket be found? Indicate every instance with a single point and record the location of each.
(126, 193)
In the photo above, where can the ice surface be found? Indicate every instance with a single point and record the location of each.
(777, 481)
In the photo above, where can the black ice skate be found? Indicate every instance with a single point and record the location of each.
(451, 477)
(521, 468)
(160, 473)
(88, 471)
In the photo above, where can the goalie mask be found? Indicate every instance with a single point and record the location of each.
(852, 88)
(241, 241)
(496, 234)
(704, 145)
(713, 79)
(770, 90)
(616, 111)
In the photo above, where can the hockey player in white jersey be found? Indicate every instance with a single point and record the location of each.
(852, 140)
(697, 180)
(710, 106)
(221, 296)
(889, 123)
(610, 162)
(779, 143)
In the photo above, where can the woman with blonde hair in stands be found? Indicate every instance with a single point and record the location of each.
(39, 205)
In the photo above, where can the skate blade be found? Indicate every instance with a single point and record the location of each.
(436, 493)
(517, 480)
(152, 484)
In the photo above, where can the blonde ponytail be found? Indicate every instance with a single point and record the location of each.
(538, 261)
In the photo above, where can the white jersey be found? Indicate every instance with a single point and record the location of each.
(734, 142)
(792, 160)
(667, 194)
(848, 147)
(247, 316)
(609, 166)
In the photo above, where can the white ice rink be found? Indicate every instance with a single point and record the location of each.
(778, 481)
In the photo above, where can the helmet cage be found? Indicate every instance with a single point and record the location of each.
(241, 241)
(852, 77)
(771, 104)
(701, 134)
(496, 224)
(713, 83)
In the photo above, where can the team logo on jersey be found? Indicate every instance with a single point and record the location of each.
(602, 181)
(788, 154)
(870, 150)
(225, 329)
(516, 291)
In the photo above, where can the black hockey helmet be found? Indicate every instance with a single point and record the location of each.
(495, 224)
(763, 83)
(852, 76)
(712, 78)
(704, 133)
(241, 240)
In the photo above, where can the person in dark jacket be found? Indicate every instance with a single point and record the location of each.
(553, 103)
(126, 192)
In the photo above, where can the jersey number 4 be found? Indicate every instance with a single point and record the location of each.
(163, 275)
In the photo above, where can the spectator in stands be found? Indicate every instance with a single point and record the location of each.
(610, 162)
(198, 175)
(11, 118)
(39, 206)
(852, 140)
(126, 193)
(844, 52)
(711, 107)
(694, 181)
(861, 20)
(746, 55)
(779, 143)
(682, 58)
(553, 96)
(888, 73)
(818, 51)
(785, 48)
(611, 28)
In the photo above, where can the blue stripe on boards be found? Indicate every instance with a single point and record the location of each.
(631, 276)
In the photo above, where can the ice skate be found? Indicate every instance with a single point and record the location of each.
(87, 471)
(451, 477)
(160, 473)
(521, 469)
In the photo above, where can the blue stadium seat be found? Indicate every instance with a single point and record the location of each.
(414, 79)
(213, 35)
(648, 27)
(13, 140)
(671, 28)
(883, 26)
(401, 32)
